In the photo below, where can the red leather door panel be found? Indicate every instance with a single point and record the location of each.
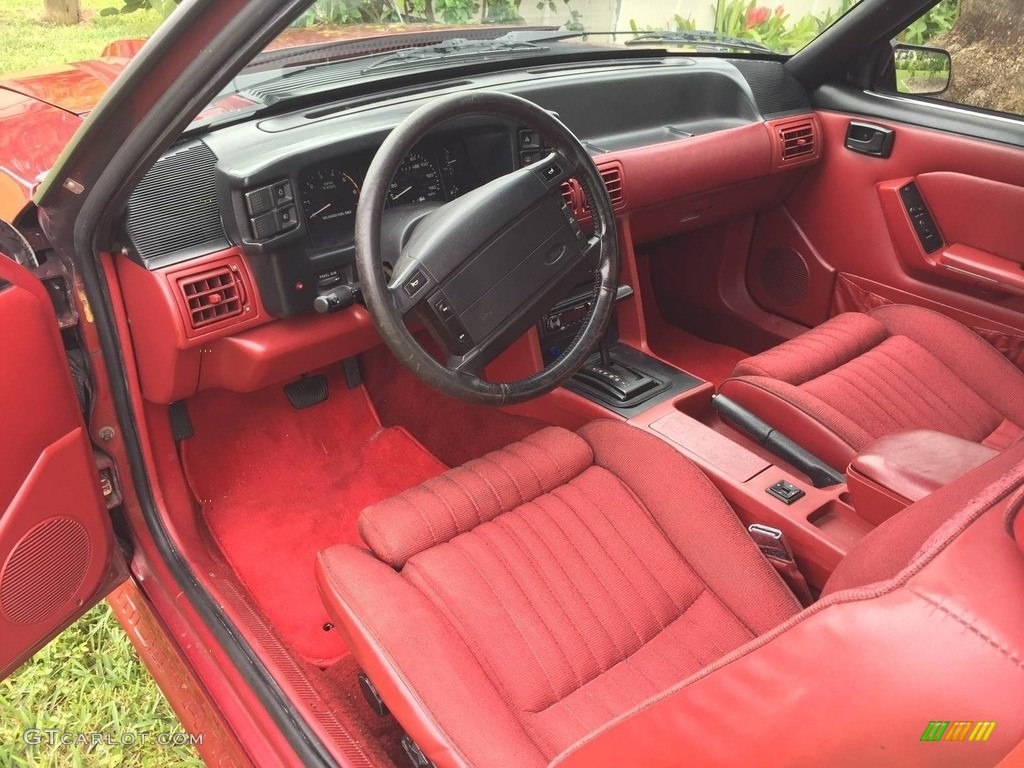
(56, 543)
(849, 209)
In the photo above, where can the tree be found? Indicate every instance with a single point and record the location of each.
(985, 44)
(63, 11)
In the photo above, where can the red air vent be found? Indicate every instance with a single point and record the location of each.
(797, 141)
(212, 297)
(569, 195)
(612, 176)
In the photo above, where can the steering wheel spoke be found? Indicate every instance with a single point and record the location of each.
(480, 270)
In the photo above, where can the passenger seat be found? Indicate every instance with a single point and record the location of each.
(859, 377)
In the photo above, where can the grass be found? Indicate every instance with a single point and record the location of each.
(29, 43)
(88, 680)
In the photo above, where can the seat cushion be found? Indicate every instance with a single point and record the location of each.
(558, 613)
(859, 377)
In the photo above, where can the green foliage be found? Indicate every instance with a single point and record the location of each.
(163, 7)
(340, 12)
(772, 27)
(934, 24)
(87, 680)
(27, 42)
(685, 25)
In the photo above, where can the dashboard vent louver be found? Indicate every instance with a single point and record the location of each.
(569, 195)
(611, 174)
(798, 140)
(212, 297)
(174, 208)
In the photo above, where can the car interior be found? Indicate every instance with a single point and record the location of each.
(639, 399)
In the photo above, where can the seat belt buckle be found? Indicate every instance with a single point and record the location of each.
(775, 547)
(772, 542)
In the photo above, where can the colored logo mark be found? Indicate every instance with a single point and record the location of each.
(958, 730)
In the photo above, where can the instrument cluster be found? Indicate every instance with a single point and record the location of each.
(329, 191)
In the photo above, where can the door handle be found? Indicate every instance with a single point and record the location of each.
(869, 139)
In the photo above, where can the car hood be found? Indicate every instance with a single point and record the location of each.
(41, 110)
(74, 88)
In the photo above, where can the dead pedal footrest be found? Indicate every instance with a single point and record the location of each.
(307, 391)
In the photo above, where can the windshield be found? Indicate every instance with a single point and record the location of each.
(335, 42)
(338, 42)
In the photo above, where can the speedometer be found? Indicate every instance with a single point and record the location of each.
(329, 196)
(416, 181)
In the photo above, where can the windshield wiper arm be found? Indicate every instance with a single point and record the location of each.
(456, 47)
(712, 39)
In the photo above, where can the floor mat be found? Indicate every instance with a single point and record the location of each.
(380, 736)
(277, 485)
(455, 431)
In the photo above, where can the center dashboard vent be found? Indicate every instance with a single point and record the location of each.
(212, 297)
(796, 141)
(612, 176)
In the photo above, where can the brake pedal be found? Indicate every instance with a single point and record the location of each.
(307, 391)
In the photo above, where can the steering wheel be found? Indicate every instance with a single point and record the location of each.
(479, 271)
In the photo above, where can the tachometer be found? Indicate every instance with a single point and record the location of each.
(329, 197)
(416, 181)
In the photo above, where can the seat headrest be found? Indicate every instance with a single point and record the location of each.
(464, 497)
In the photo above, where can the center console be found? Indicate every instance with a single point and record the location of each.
(629, 381)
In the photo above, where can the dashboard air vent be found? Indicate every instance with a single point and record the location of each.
(174, 208)
(569, 195)
(611, 174)
(212, 297)
(796, 141)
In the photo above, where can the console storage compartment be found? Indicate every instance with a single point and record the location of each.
(899, 469)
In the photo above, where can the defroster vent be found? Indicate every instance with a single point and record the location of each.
(213, 296)
(174, 210)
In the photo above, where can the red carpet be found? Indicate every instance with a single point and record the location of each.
(277, 485)
(380, 736)
(704, 359)
(453, 430)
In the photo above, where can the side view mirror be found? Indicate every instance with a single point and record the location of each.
(921, 71)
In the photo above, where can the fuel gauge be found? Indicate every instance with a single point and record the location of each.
(450, 173)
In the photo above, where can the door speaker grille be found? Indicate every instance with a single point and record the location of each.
(45, 570)
(784, 276)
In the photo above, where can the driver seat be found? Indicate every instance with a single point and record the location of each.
(515, 606)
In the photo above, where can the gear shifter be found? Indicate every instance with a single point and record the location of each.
(614, 380)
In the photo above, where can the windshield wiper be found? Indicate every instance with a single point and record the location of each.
(456, 48)
(713, 40)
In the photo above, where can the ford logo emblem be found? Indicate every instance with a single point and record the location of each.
(555, 254)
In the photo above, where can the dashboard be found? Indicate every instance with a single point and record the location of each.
(284, 189)
(238, 236)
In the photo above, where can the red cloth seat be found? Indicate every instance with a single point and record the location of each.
(859, 377)
(590, 600)
(517, 603)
